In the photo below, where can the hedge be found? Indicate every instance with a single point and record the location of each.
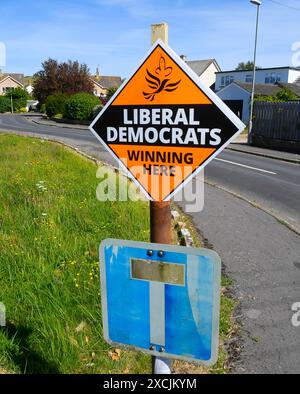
(55, 104)
(5, 105)
(80, 106)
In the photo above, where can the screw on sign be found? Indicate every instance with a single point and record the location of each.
(163, 125)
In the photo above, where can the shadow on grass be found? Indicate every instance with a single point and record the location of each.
(27, 359)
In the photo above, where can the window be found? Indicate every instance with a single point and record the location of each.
(228, 79)
(7, 89)
(272, 78)
(249, 78)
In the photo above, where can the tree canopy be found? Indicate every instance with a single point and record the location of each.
(68, 78)
(248, 66)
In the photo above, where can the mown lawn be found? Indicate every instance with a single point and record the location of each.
(51, 225)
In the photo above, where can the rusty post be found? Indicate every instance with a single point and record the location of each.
(160, 222)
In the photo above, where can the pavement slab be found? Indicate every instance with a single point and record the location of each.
(261, 256)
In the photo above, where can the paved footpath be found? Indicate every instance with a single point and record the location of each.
(265, 266)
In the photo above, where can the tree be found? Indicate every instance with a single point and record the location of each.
(246, 66)
(68, 78)
(110, 92)
(286, 95)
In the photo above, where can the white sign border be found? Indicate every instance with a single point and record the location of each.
(216, 305)
(207, 91)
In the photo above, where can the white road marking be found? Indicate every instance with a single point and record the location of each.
(251, 168)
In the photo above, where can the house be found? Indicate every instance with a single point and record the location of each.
(237, 95)
(205, 69)
(268, 76)
(102, 83)
(10, 81)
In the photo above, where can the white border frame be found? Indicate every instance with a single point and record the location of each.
(169, 248)
(207, 91)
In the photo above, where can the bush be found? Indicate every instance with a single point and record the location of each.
(4, 104)
(55, 104)
(110, 92)
(19, 97)
(96, 110)
(42, 108)
(80, 106)
(23, 110)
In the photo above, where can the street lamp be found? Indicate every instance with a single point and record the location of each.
(258, 4)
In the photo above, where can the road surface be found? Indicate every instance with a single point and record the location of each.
(261, 254)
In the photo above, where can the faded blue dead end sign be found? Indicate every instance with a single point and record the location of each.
(161, 299)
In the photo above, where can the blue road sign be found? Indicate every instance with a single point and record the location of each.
(161, 299)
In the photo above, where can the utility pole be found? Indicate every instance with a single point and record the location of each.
(160, 212)
(258, 4)
(11, 103)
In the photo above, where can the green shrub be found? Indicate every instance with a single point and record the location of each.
(96, 110)
(55, 104)
(110, 92)
(80, 106)
(19, 97)
(43, 108)
(23, 110)
(4, 104)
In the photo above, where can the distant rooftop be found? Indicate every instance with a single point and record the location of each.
(260, 69)
(260, 89)
(17, 76)
(108, 81)
(268, 89)
(199, 66)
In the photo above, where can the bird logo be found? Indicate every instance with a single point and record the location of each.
(161, 82)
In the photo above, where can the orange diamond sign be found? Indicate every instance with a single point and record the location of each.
(163, 125)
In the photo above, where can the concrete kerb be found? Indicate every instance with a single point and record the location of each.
(270, 156)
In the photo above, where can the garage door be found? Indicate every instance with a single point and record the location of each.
(236, 106)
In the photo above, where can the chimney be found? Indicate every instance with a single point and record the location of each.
(183, 57)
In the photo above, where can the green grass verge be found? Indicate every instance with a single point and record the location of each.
(51, 225)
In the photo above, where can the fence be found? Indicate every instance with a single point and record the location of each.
(277, 125)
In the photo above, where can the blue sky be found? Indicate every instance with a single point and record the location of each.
(116, 33)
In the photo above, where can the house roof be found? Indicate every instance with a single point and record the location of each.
(16, 76)
(260, 69)
(108, 81)
(260, 89)
(199, 66)
(292, 87)
(3, 77)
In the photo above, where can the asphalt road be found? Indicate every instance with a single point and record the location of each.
(261, 254)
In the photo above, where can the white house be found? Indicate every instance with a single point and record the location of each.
(237, 95)
(29, 89)
(263, 76)
(205, 69)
